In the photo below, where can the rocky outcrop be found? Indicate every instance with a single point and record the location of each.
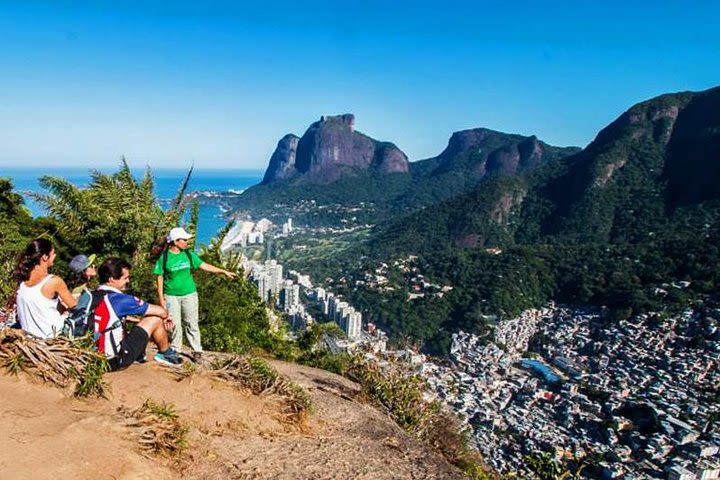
(282, 162)
(481, 151)
(329, 149)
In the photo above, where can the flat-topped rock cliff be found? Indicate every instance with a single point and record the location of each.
(329, 149)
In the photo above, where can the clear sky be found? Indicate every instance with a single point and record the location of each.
(220, 82)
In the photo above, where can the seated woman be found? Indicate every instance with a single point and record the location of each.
(40, 293)
(83, 271)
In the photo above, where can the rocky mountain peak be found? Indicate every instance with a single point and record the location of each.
(329, 149)
(481, 151)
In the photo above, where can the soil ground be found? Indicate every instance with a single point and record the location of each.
(47, 433)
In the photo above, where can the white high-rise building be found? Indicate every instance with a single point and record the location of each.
(332, 306)
(353, 325)
(275, 271)
(340, 309)
(262, 280)
(291, 294)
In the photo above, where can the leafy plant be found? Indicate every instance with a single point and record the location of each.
(91, 381)
(158, 427)
(116, 215)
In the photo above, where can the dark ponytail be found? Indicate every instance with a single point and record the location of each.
(30, 258)
(159, 248)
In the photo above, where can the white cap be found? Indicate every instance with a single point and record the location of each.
(177, 233)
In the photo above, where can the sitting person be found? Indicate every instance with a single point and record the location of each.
(109, 319)
(40, 293)
(84, 271)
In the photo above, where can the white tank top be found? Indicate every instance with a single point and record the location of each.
(38, 314)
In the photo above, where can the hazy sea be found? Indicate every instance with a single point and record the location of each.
(167, 183)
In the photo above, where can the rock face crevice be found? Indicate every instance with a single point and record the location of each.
(329, 149)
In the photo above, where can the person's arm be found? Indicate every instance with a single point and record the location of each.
(154, 311)
(161, 294)
(59, 287)
(213, 269)
(158, 311)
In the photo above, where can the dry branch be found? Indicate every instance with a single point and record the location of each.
(58, 361)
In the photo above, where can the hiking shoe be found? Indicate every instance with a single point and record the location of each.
(197, 357)
(169, 357)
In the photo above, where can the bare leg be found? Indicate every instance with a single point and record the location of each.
(156, 331)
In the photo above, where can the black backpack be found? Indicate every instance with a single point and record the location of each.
(80, 319)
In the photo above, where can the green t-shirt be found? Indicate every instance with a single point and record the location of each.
(179, 281)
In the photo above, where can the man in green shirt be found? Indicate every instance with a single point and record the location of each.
(176, 288)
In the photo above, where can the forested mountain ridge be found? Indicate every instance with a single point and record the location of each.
(617, 225)
(659, 157)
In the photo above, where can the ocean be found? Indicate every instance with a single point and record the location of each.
(167, 183)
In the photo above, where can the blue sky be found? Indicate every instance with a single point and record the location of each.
(168, 82)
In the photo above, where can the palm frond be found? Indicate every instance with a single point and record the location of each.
(192, 225)
(181, 192)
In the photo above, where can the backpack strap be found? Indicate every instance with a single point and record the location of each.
(97, 297)
(164, 263)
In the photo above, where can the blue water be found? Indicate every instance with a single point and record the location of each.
(167, 183)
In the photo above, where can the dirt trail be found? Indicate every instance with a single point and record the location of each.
(46, 433)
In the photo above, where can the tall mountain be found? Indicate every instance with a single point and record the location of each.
(331, 163)
(472, 155)
(657, 158)
(329, 149)
(613, 225)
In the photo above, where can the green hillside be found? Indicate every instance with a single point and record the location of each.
(618, 224)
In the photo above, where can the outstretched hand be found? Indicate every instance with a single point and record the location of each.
(230, 274)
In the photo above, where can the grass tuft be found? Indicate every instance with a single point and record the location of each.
(158, 428)
(14, 363)
(91, 380)
(257, 376)
(165, 411)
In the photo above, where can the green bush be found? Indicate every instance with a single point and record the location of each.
(17, 228)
